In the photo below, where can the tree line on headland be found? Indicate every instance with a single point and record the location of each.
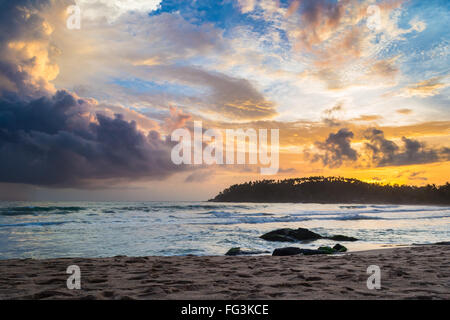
(333, 190)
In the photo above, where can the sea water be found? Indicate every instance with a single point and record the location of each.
(104, 229)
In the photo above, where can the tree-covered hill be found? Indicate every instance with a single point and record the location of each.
(333, 190)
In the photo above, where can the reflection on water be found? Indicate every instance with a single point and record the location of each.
(100, 229)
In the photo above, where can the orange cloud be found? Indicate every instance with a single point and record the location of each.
(425, 88)
(177, 119)
(341, 50)
(404, 111)
(368, 117)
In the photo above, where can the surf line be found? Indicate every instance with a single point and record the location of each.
(207, 147)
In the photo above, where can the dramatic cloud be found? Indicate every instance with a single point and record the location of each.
(231, 97)
(60, 141)
(25, 49)
(320, 19)
(404, 111)
(426, 88)
(119, 51)
(55, 138)
(113, 9)
(385, 152)
(141, 68)
(377, 151)
(176, 120)
(148, 64)
(333, 114)
(336, 149)
(342, 46)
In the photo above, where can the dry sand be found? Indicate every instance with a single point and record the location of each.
(419, 272)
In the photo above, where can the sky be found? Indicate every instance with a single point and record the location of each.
(356, 88)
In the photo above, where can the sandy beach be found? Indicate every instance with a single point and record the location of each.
(418, 272)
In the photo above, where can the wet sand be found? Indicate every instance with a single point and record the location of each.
(418, 272)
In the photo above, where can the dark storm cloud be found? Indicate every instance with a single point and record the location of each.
(377, 149)
(336, 149)
(385, 152)
(20, 17)
(54, 141)
(59, 139)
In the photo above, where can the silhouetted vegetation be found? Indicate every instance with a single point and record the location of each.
(333, 190)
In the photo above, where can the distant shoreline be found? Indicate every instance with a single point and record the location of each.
(343, 203)
(333, 190)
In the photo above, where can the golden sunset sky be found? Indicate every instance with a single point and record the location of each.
(356, 88)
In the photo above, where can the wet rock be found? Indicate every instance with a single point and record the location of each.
(237, 251)
(288, 251)
(327, 249)
(290, 235)
(340, 237)
(300, 234)
(291, 251)
(340, 248)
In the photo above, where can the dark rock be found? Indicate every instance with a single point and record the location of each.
(309, 252)
(328, 250)
(290, 235)
(288, 251)
(300, 234)
(291, 251)
(233, 251)
(237, 251)
(340, 237)
(340, 248)
(441, 243)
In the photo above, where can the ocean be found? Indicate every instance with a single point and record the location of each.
(102, 229)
